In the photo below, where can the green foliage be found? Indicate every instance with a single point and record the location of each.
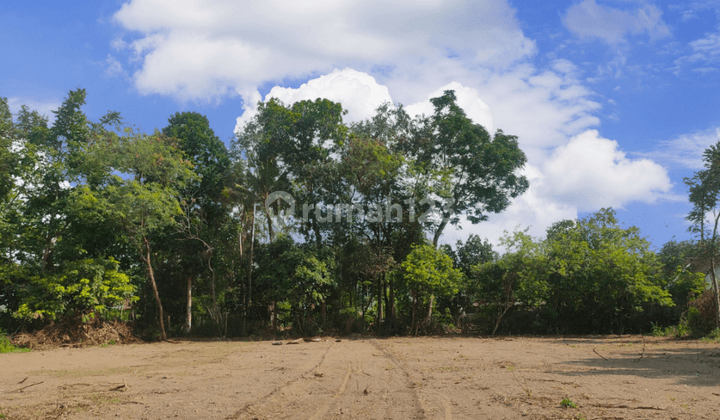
(686, 285)
(516, 278)
(602, 274)
(704, 188)
(695, 321)
(7, 347)
(476, 173)
(179, 210)
(81, 287)
(658, 331)
(205, 151)
(473, 252)
(427, 271)
(567, 403)
(426, 274)
(712, 337)
(296, 275)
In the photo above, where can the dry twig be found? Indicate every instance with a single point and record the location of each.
(123, 387)
(523, 386)
(27, 386)
(603, 357)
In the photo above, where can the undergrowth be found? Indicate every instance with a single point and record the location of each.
(7, 347)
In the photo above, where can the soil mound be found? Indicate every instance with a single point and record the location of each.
(76, 334)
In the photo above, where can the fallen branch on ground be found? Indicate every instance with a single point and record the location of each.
(629, 407)
(27, 386)
(123, 387)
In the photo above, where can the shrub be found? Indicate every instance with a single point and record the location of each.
(82, 287)
(701, 314)
(7, 347)
(713, 337)
(567, 403)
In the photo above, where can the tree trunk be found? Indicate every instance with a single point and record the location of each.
(151, 274)
(217, 316)
(323, 313)
(379, 315)
(270, 228)
(500, 317)
(188, 317)
(46, 252)
(385, 297)
(318, 235)
(716, 291)
(252, 247)
(438, 232)
(508, 289)
(412, 320)
(391, 301)
(274, 317)
(430, 308)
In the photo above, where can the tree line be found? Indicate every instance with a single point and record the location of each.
(309, 225)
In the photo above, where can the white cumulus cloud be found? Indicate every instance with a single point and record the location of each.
(201, 50)
(370, 52)
(467, 98)
(591, 172)
(358, 93)
(570, 168)
(533, 210)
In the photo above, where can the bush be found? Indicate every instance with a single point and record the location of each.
(349, 321)
(658, 331)
(714, 336)
(701, 314)
(90, 286)
(7, 347)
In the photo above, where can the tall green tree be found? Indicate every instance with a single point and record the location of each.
(519, 277)
(146, 201)
(704, 189)
(601, 275)
(428, 272)
(205, 207)
(472, 173)
(300, 140)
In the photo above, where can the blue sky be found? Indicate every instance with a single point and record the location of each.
(613, 101)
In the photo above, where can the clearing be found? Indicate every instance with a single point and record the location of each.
(608, 377)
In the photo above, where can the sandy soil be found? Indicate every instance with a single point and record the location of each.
(370, 378)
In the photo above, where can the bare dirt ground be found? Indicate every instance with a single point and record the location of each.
(369, 378)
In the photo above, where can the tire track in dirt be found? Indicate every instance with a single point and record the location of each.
(444, 400)
(265, 397)
(419, 406)
(446, 406)
(328, 405)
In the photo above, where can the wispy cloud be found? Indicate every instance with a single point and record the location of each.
(707, 48)
(113, 67)
(686, 150)
(690, 10)
(43, 106)
(591, 20)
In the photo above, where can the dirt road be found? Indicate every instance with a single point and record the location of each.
(398, 378)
